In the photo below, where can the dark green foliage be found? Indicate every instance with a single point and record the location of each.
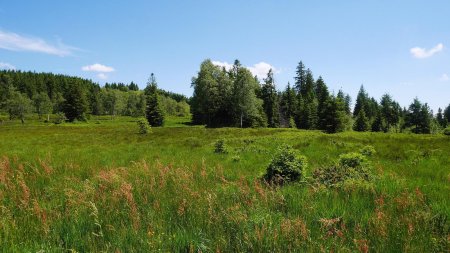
(153, 111)
(447, 114)
(323, 97)
(287, 107)
(336, 118)
(285, 166)
(390, 111)
(418, 117)
(440, 118)
(270, 100)
(75, 104)
(377, 124)
(220, 147)
(361, 122)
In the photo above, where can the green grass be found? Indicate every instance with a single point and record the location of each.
(100, 186)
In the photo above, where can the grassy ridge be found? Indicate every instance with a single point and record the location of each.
(93, 187)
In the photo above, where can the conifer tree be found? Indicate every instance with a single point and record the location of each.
(361, 122)
(440, 118)
(270, 100)
(75, 102)
(153, 111)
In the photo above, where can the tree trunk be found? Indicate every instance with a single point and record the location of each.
(242, 116)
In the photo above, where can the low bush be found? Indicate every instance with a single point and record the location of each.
(143, 126)
(219, 147)
(351, 160)
(368, 150)
(350, 167)
(286, 166)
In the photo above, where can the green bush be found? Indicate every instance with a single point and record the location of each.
(219, 147)
(368, 150)
(351, 167)
(286, 166)
(447, 131)
(351, 160)
(143, 126)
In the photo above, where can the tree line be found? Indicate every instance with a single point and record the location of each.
(236, 98)
(74, 98)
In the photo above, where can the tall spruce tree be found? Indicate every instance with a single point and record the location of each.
(361, 122)
(419, 117)
(288, 106)
(153, 111)
(270, 100)
(322, 99)
(440, 118)
(447, 114)
(75, 102)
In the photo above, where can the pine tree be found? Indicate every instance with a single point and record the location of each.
(300, 78)
(270, 100)
(308, 110)
(153, 111)
(75, 102)
(447, 114)
(377, 124)
(419, 117)
(322, 99)
(361, 101)
(287, 106)
(361, 122)
(440, 118)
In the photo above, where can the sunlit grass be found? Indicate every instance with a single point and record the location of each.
(101, 186)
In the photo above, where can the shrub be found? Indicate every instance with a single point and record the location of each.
(351, 160)
(447, 131)
(368, 150)
(143, 126)
(350, 168)
(219, 147)
(286, 166)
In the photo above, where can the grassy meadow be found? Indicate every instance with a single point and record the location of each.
(102, 187)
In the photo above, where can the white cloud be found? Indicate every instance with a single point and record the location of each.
(15, 42)
(102, 76)
(259, 69)
(444, 78)
(97, 67)
(422, 53)
(225, 65)
(5, 65)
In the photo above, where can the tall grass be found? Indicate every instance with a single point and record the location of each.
(104, 187)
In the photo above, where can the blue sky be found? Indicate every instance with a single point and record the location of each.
(398, 47)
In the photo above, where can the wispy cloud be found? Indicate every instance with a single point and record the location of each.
(102, 76)
(15, 42)
(5, 65)
(100, 69)
(97, 67)
(422, 53)
(444, 78)
(259, 69)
